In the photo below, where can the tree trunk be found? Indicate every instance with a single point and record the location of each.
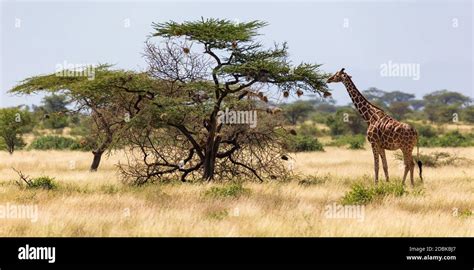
(212, 146)
(210, 159)
(96, 160)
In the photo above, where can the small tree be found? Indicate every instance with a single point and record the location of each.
(111, 99)
(13, 123)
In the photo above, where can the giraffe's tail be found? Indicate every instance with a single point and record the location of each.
(420, 164)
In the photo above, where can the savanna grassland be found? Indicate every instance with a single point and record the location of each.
(98, 204)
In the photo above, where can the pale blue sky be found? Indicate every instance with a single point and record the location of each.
(423, 33)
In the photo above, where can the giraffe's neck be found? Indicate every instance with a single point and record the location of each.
(366, 109)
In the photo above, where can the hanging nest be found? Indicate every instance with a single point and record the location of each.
(299, 92)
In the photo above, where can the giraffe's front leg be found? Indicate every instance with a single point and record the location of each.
(384, 163)
(375, 151)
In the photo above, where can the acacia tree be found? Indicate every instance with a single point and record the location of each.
(211, 65)
(111, 99)
(13, 123)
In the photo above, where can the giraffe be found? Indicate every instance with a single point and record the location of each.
(383, 132)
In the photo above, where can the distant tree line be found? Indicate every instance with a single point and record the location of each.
(437, 107)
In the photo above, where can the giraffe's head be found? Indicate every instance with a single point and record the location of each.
(337, 77)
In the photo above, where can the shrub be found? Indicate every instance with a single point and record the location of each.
(44, 182)
(450, 139)
(455, 139)
(426, 131)
(353, 142)
(360, 194)
(304, 143)
(231, 190)
(54, 142)
(356, 144)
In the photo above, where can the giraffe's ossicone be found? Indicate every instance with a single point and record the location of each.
(383, 132)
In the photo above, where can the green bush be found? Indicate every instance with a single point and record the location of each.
(353, 141)
(44, 182)
(426, 131)
(455, 139)
(303, 143)
(55, 143)
(356, 144)
(450, 139)
(360, 194)
(231, 190)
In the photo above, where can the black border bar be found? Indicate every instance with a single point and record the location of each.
(320, 251)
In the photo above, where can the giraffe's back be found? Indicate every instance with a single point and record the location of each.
(390, 134)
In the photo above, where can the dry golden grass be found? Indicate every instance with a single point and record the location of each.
(97, 204)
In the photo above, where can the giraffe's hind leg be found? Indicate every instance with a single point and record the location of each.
(409, 165)
(384, 163)
(375, 151)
